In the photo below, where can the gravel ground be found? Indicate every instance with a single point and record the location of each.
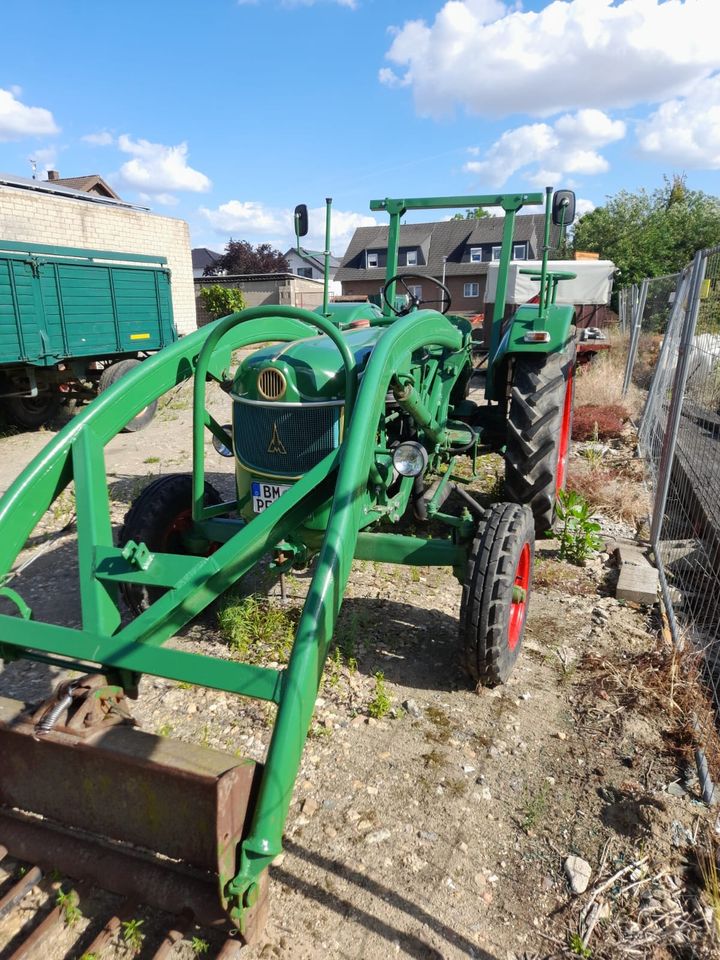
(441, 829)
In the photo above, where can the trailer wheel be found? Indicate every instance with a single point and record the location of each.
(114, 372)
(538, 431)
(496, 593)
(158, 518)
(31, 413)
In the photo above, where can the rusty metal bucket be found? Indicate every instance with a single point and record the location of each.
(139, 815)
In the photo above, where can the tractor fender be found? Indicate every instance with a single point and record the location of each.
(558, 320)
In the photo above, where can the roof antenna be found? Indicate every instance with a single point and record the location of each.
(33, 164)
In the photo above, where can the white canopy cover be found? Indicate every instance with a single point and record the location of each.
(593, 284)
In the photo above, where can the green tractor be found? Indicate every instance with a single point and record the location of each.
(351, 419)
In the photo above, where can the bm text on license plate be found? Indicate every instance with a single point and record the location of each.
(263, 494)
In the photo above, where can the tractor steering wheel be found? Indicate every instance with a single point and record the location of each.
(414, 301)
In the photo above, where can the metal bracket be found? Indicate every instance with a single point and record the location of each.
(138, 555)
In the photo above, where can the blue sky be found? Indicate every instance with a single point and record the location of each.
(228, 113)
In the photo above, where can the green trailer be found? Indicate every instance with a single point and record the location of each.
(72, 321)
(350, 419)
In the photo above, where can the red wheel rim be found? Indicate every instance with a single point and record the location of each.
(180, 525)
(564, 445)
(518, 606)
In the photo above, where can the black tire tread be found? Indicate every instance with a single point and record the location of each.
(28, 418)
(148, 517)
(487, 592)
(113, 373)
(533, 431)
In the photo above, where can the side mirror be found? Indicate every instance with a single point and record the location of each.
(301, 220)
(563, 207)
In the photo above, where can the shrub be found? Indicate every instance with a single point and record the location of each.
(577, 531)
(220, 301)
(598, 422)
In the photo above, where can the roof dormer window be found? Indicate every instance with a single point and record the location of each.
(411, 258)
(372, 260)
(475, 254)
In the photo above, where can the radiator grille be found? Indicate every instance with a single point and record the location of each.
(285, 441)
(271, 384)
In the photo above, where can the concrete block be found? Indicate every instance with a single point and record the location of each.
(638, 580)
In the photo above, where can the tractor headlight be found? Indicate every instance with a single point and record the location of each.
(221, 447)
(410, 459)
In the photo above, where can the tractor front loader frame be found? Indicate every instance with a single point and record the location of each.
(123, 652)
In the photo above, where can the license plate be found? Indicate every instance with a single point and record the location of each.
(263, 494)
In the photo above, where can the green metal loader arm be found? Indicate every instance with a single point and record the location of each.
(316, 626)
(194, 582)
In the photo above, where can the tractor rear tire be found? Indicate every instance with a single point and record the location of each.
(158, 518)
(496, 593)
(113, 373)
(31, 413)
(539, 431)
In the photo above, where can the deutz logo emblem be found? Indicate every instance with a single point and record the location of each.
(276, 444)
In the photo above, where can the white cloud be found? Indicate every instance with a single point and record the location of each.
(18, 120)
(164, 199)
(686, 131)
(566, 146)
(157, 169)
(583, 206)
(47, 158)
(100, 139)
(245, 216)
(493, 59)
(252, 220)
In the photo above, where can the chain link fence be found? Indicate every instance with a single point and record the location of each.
(680, 440)
(645, 310)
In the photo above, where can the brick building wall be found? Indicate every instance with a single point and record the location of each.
(70, 222)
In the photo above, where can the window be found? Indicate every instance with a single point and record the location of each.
(372, 260)
(471, 290)
(475, 254)
(411, 258)
(304, 272)
(519, 251)
(496, 253)
(416, 291)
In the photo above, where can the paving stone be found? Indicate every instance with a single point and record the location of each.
(638, 580)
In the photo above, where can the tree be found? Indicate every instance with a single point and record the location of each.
(477, 213)
(241, 257)
(651, 234)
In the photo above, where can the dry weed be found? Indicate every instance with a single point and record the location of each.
(707, 854)
(600, 381)
(609, 493)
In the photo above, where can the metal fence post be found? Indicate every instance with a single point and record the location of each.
(676, 404)
(680, 292)
(622, 301)
(635, 333)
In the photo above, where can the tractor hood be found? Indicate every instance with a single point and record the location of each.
(303, 371)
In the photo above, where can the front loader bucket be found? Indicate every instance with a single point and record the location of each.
(142, 816)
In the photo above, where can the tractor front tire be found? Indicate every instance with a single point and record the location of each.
(158, 518)
(113, 373)
(539, 431)
(496, 593)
